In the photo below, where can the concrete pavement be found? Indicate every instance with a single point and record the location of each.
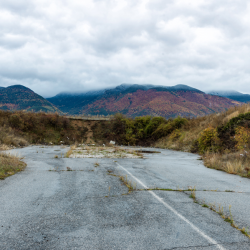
(47, 207)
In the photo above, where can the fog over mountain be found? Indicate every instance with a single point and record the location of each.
(231, 94)
(77, 46)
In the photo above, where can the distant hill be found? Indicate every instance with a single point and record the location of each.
(18, 97)
(137, 100)
(231, 94)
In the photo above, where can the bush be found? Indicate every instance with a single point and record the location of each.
(16, 121)
(209, 140)
(167, 128)
(240, 120)
(153, 124)
(242, 136)
(176, 134)
(38, 128)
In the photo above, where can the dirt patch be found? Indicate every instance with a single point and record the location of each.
(102, 152)
(87, 124)
(89, 133)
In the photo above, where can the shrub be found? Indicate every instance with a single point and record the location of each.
(38, 128)
(140, 124)
(167, 128)
(208, 140)
(176, 134)
(242, 136)
(240, 120)
(16, 121)
(153, 124)
(194, 146)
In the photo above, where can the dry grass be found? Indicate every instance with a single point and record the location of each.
(69, 153)
(5, 147)
(131, 186)
(8, 137)
(82, 151)
(10, 165)
(232, 163)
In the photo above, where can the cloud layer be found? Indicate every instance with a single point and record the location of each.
(72, 45)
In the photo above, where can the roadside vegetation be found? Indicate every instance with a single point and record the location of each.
(20, 129)
(143, 131)
(222, 139)
(10, 165)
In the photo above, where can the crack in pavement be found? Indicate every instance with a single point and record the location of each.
(210, 245)
(166, 205)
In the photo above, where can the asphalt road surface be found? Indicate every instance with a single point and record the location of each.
(47, 207)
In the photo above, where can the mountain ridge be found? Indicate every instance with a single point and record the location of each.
(136, 100)
(130, 99)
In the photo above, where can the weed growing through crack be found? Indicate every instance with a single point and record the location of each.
(205, 205)
(245, 231)
(56, 156)
(127, 183)
(193, 193)
(67, 155)
(220, 211)
(231, 216)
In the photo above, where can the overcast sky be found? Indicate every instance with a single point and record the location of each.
(52, 46)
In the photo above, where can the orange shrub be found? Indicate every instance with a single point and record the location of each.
(242, 136)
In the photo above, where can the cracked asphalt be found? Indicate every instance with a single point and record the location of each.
(47, 207)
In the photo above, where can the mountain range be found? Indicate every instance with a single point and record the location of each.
(130, 99)
(18, 97)
(137, 100)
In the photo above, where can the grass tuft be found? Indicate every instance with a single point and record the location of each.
(10, 165)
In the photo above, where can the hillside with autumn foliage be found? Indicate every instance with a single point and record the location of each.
(159, 102)
(18, 97)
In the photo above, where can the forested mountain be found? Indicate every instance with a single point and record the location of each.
(136, 100)
(18, 97)
(129, 99)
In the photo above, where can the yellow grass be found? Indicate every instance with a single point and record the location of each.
(67, 155)
(10, 165)
(8, 137)
(232, 163)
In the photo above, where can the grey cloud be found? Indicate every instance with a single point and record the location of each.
(54, 46)
(12, 42)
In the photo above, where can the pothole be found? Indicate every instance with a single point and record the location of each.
(147, 152)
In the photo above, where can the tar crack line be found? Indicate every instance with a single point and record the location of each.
(209, 239)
